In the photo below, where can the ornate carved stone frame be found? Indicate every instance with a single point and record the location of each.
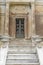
(31, 20)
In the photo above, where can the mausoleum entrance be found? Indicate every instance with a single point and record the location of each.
(19, 21)
(20, 27)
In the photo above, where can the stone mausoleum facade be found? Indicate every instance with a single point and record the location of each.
(30, 11)
(21, 19)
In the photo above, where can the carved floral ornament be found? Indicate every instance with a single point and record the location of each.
(20, 9)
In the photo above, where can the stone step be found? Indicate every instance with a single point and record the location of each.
(21, 42)
(17, 46)
(25, 64)
(20, 46)
(21, 52)
(21, 49)
(21, 61)
(22, 56)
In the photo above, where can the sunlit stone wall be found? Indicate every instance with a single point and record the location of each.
(38, 14)
(39, 18)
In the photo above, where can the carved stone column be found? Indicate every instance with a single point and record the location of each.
(7, 19)
(2, 24)
(25, 30)
(12, 25)
(29, 24)
(33, 18)
(2, 19)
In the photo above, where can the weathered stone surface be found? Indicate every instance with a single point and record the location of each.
(33, 12)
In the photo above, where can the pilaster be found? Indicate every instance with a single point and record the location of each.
(29, 24)
(26, 28)
(0, 20)
(33, 18)
(2, 14)
(7, 19)
(2, 24)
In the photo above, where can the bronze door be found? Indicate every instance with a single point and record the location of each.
(20, 27)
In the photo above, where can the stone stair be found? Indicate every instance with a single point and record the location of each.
(21, 54)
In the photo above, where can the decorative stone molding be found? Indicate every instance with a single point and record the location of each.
(19, 9)
(20, 0)
(23, 9)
